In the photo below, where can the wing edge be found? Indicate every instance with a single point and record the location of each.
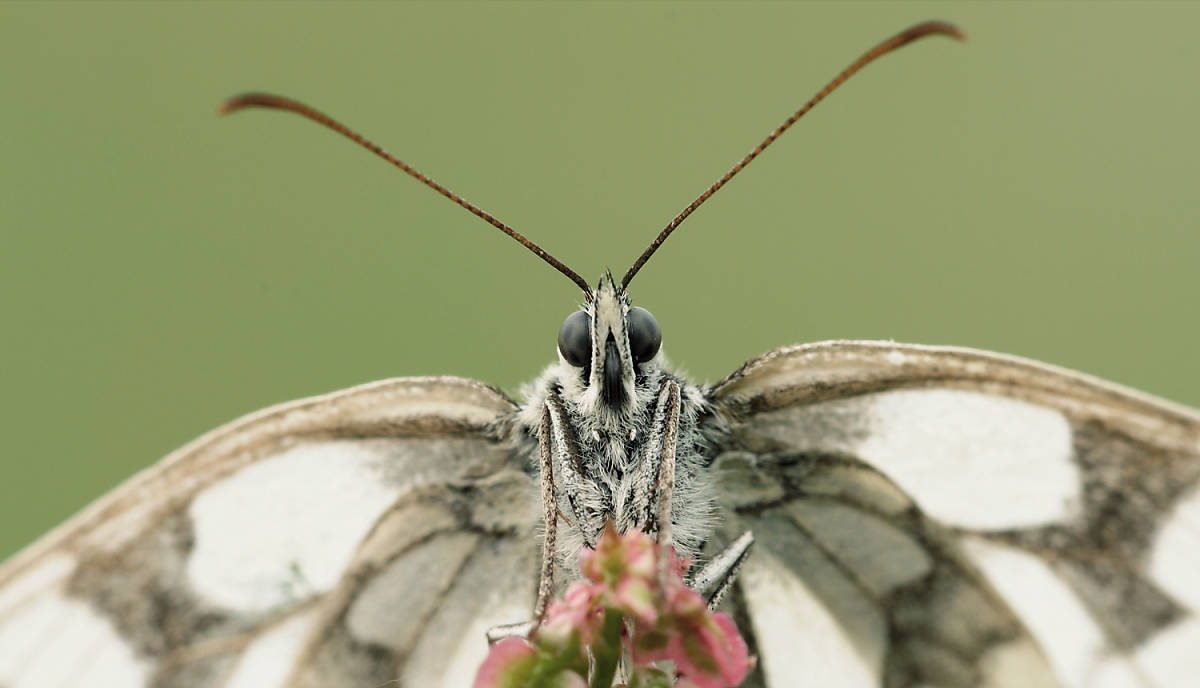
(365, 406)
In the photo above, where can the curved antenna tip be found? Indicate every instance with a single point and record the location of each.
(944, 28)
(246, 100)
(231, 105)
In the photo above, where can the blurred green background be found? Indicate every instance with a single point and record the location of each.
(163, 270)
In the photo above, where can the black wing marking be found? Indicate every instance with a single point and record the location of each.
(139, 589)
(805, 429)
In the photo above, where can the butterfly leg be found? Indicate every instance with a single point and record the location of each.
(715, 578)
(550, 517)
(665, 482)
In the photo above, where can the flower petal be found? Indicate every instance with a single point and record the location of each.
(734, 658)
(507, 664)
(711, 654)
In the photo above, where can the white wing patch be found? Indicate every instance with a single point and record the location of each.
(47, 576)
(797, 634)
(1175, 559)
(268, 661)
(54, 641)
(966, 458)
(1172, 658)
(1071, 637)
(285, 528)
(1053, 613)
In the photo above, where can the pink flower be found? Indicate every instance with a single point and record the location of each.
(636, 597)
(623, 569)
(706, 648)
(576, 617)
(619, 556)
(515, 663)
(627, 602)
(507, 665)
(712, 654)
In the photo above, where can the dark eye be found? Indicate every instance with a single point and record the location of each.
(645, 336)
(575, 339)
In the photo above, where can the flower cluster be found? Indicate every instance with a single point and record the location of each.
(632, 603)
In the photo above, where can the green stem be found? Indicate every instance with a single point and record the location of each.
(606, 651)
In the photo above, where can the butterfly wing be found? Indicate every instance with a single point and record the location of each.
(350, 539)
(941, 516)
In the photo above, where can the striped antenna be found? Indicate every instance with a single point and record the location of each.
(901, 39)
(266, 100)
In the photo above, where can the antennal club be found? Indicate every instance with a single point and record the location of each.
(266, 100)
(899, 40)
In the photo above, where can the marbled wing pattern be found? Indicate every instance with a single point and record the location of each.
(351, 539)
(923, 517)
(944, 517)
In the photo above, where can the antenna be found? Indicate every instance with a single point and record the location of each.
(266, 100)
(899, 40)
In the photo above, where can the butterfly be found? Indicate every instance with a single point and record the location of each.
(871, 514)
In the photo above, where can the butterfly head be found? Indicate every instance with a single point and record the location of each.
(608, 346)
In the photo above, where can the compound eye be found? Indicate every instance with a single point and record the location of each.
(575, 339)
(645, 336)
